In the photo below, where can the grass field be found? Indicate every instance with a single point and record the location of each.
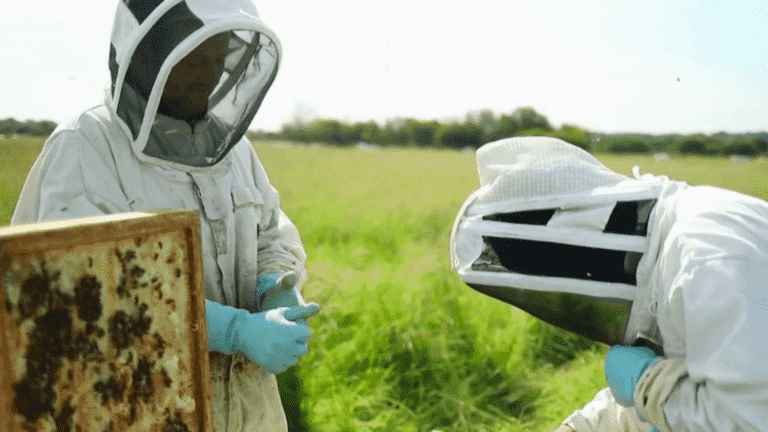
(402, 344)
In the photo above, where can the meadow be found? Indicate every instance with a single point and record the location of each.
(401, 344)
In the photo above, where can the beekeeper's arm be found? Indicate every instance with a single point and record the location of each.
(280, 251)
(722, 384)
(604, 414)
(69, 179)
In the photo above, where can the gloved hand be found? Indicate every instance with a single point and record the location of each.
(274, 290)
(624, 365)
(272, 339)
(268, 281)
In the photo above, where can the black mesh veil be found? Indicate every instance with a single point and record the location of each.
(164, 33)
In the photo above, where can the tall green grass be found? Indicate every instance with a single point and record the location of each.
(401, 343)
(16, 157)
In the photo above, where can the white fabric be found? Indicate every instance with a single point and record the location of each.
(83, 171)
(539, 167)
(711, 294)
(703, 281)
(654, 388)
(534, 173)
(604, 414)
(587, 218)
(92, 166)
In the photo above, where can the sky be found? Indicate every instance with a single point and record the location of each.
(644, 66)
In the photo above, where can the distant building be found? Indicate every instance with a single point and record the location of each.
(739, 159)
(362, 145)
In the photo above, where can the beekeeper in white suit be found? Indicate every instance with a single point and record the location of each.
(187, 79)
(674, 277)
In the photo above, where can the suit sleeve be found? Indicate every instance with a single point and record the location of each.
(604, 414)
(280, 246)
(68, 180)
(723, 385)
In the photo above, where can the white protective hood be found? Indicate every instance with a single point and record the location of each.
(170, 30)
(553, 231)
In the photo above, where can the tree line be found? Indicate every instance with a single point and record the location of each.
(476, 129)
(480, 127)
(10, 127)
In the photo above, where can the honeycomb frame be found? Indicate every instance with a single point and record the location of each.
(102, 325)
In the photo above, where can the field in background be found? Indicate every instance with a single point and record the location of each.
(401, 344)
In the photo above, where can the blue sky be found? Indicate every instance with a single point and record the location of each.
(609, 66)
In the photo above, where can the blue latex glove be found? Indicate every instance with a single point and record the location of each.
(624, 365)
(272, 339)
(275, 290)
(278, 287)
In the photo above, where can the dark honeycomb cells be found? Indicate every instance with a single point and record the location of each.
(58, 333)
(88, 298)
(110, 389)
(34, 394)
(166, 378)
(33, 397)
(51, 339)
(131, 275)
(36, 292)
(82, 346)
(142, 386)
(123, 328)
(64, 419)
(159, 344)
(176, 425)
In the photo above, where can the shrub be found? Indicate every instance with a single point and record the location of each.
(629, 146)
(692, 146)
(739, 148)
(460, 136)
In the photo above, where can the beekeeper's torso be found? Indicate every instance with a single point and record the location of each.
(700, 288)
(125, 156)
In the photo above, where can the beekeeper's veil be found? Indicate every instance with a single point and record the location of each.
(167, 31)
(554, 232)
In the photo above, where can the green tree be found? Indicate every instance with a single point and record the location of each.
(761, 143)
(9, 126)
(327, 131)
(421, 133)
(574, 135)
(461, 136)
(395, 132)
(692, 145)
(740, 147)
(506, 126)
(487, 122)
(12, 126)
(629, 145)
(528, 118)
(369, 132)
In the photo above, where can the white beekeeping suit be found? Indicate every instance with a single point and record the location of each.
(127, 155)
(629, 261)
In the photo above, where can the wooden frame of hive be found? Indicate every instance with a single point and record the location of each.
(102, 325)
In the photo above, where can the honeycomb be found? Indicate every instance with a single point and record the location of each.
(104, 336)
